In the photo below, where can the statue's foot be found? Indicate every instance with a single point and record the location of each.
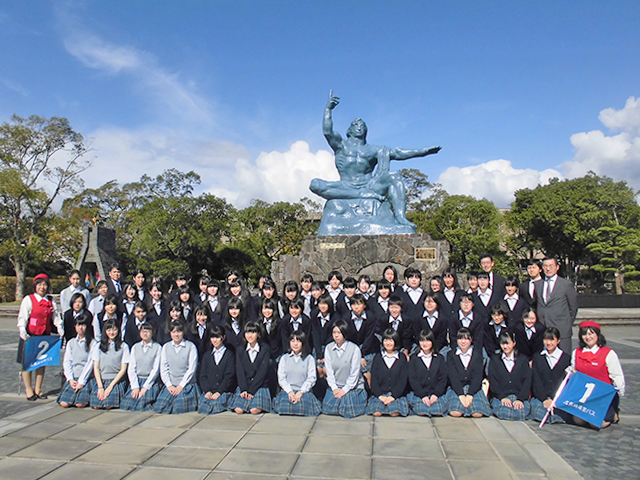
(404, 221)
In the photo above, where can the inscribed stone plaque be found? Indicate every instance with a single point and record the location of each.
(425, 254)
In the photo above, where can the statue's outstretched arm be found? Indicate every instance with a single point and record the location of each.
(404, 154)
(334, 138)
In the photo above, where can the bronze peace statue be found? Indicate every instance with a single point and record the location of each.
(366, 200)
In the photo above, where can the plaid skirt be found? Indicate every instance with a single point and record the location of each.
(417, 406)
(115, 397)
(261, 400)
(74, 397)
(308, 406)
(510, 413)
(538, 411)
(353, 404)
(480, 403)
(399, 405)
(143, 404)
(186, 401)
(221, 404)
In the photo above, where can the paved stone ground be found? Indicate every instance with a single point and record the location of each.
(50, 443)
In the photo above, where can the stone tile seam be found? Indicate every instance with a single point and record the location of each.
(444, 453)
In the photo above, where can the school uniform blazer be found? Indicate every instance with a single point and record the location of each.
(561, 307)
(529, 347)
(253, 376)
(286, 329)
(440, 329)
(424, 381)
(146, 296)
(273, 337)
(132, 332)
(480, 309)
(70, 324)
(515, 315)
(476, 327)
(504, 383)
(341, 306)
(202, 344)
(158, 319)
(384, 379)
(409, 308)
(491, 341)
(545, 380)
(448, 309)
(233, 340)
(197, 300)
(524, 292)
(498, 285)
(217, 315)
(459, 376)
(322, 336)
(405, 329)
(218, 378)
(363, 338)
(374, 307)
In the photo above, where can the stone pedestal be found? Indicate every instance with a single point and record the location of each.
(356, 255)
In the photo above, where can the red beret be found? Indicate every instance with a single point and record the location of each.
(41, 276)
(590, 324)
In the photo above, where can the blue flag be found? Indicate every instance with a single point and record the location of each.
(40, 351)
(586, 398)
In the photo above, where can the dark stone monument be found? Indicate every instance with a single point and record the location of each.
(98, 252)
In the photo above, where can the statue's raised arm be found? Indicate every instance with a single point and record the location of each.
(405, 154)
(333, 137)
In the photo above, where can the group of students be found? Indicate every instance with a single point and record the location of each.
(345, 347)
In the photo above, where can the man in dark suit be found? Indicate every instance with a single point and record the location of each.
(527, 288)
(114, 286)
(496, 282)
(557, 302)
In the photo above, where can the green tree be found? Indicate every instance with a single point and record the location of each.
(266, 231)
(590, 220)
(40, 160)
(175, 234)
(471, 226)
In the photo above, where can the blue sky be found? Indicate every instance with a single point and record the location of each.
(514, 92)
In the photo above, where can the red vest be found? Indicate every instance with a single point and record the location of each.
(41, 316)
(594, 365)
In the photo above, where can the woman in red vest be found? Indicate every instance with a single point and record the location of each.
(38, 316)
(595, 359)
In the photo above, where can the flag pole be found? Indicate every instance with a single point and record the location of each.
(553, 402)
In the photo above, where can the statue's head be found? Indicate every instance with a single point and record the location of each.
(357, 129)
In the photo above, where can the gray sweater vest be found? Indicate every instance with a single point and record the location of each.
(342, 365)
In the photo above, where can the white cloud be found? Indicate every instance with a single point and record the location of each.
(166, 90)
(278, 176)
(126, 155)
(496, 180)
(16, 87)
(616, 156)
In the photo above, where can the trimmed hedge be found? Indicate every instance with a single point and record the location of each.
(8, 287)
